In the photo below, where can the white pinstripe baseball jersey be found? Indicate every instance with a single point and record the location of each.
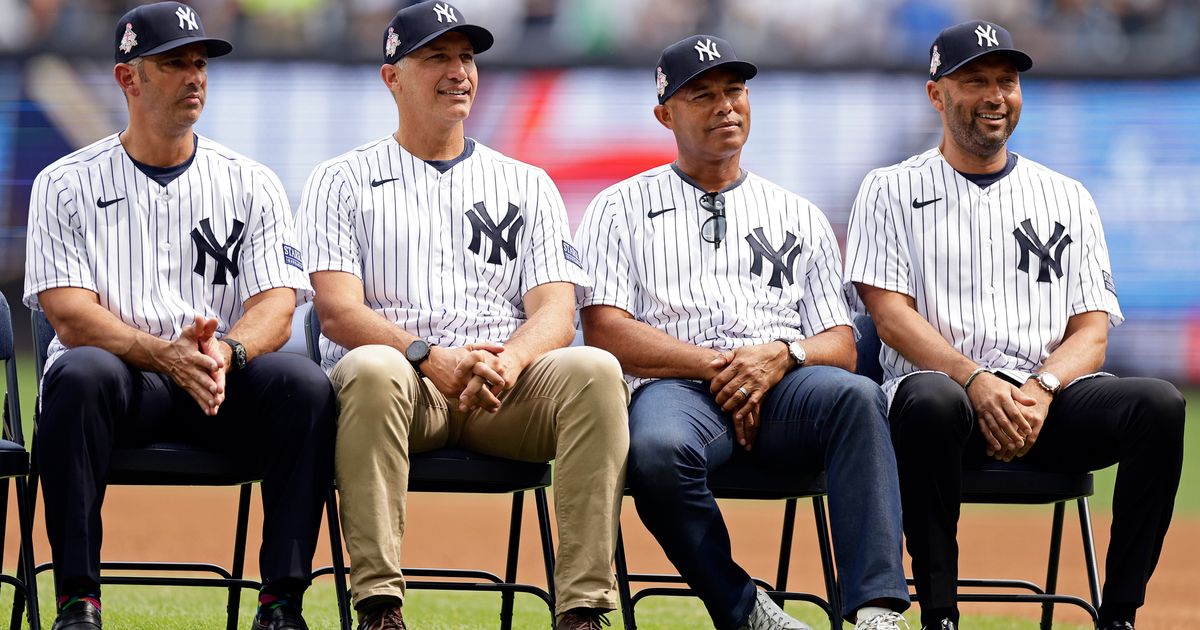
(446, 250)
(776, 274)
(157, 255)
(997, 270)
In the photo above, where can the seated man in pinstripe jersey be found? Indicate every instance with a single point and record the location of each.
(167, 266)
(445, 281)
(988, 278)
(720, 293)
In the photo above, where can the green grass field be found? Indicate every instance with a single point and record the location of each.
(192, 609)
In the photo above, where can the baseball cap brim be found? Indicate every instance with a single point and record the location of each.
(481, 38)
(216, 46)
(746, 69)
(1022, 60)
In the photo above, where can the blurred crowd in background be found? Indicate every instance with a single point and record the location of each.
(1071, 37)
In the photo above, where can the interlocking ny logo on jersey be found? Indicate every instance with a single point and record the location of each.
(483, 225)
(782, 260)
(225, 255)
(187, 18)
(1029, 242)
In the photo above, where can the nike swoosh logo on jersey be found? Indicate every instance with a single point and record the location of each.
(104, 204)
(376, 183)
(654, 213)
(922, 204)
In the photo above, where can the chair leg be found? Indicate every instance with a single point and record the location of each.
(1052, 564)
(547, 536)
(26, 561)
(785, 547)
(627, 615)
(1089, 550)
(339, 562)
(510, 566)
(239, 556)
(832, 589)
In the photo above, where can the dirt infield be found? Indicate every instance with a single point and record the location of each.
(461, 531)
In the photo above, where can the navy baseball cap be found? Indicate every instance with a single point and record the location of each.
(962, 43)
(687, 58)
(156, 28)
(415, 26)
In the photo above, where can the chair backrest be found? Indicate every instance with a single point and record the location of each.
(12, 397)
(312, 334)
(868, 347)
(43, 334)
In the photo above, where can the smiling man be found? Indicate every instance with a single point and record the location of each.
(166, 264)
(720, 294)
(988, 278)
(445, 282)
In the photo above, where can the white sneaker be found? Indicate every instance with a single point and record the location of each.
(886, 621)
(767, 616)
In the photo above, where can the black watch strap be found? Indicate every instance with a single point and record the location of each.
(238, 358)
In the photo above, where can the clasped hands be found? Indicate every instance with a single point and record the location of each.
(197, 362)
(740, 380)
(1010, 418)
(475, 374)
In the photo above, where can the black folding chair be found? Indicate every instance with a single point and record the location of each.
(14, 463)
(741, 479)
(1014, 483)
(461, 471)
(177, 464)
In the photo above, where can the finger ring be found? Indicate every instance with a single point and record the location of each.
(743, 392)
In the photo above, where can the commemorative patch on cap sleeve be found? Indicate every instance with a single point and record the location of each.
(291, 256)
(1108, 282)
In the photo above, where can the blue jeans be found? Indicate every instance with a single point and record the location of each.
(816, 418)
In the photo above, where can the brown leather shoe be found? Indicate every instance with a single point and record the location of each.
(384, 618)
(582, 619)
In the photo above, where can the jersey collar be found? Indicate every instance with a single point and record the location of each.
(688, 178)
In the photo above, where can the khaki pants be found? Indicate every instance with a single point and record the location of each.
(570, 405)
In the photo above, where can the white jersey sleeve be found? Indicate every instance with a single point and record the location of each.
(603, 236)
(552, 256)
(56, 253)
(326, 214)
(824, 305)
(876, 254)
(270, 258)
(1095, 289)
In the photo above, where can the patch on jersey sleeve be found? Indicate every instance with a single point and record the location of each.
(291, 256)
(1108, 282)
(572, 254)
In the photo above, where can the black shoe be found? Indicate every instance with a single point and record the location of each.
(945, 624)
(78, 615)
(281, 615)
(1117, 625)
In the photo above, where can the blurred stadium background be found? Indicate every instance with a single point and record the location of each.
(1113, 100)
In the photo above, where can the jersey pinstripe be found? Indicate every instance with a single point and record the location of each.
(445, 255)
(776, 274)
(158, 255)
(997, 271)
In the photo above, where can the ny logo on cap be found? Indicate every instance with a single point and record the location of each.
(187, 18)
(985, 32)
(935, 60)
(446, 11)
(708, 47)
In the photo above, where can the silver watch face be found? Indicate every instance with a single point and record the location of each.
(1049, 381)
(797, 352)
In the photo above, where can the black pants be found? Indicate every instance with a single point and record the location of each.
(279, 412)
(1095, 423)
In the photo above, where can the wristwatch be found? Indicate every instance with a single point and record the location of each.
(795, 350)
(1048, 381)
(239, 354)
(416, 353)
